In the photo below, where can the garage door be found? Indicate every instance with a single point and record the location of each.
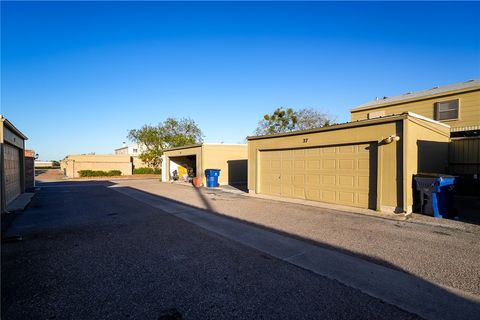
(12, 173)
(335, 174)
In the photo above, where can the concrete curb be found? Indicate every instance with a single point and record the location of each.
(407, 217)
(21, 202)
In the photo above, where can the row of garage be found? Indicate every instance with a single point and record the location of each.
(12, 163)
(367, 164)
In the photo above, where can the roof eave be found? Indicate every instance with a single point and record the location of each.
(359, 123)
(428, 96)
(184, 147)
(14, 129)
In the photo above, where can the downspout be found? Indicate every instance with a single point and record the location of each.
(22, 167)
(379, 175)
(202, 164)
(257, 171)
(404, 164)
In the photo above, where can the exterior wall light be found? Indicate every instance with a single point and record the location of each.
(391, 139)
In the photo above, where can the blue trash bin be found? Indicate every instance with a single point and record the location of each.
(212, 177)
(437, 194)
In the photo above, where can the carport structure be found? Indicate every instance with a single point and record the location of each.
(368, 164)
(231, 159)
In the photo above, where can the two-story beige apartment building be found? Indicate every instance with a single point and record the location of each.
(371, 161)
(457, 105)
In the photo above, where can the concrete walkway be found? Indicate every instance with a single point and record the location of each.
(409, 292)
(20, 202)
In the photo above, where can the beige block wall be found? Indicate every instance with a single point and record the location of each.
(230, 159)
(469, 109)
(137, 163)
(390, 156)
(75, 163)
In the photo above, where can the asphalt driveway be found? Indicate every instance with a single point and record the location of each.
(89, 252)
(446, 253)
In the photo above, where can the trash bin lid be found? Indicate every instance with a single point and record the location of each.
(438, 178)
(433, 175)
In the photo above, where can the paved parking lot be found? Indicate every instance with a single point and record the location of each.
(115, 247)
(89, 252)
(445, 255)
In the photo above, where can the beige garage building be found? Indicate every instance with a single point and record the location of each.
(231, 159)
(12, 162)
(366, 164)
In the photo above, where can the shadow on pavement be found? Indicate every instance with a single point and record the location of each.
(453, 298)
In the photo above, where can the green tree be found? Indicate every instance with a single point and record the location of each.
(280, 120)
(288, 120)
(171, 133)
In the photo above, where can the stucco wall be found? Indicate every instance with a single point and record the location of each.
(215, 157)
(426, 152)
(230, 159)
(75, 163)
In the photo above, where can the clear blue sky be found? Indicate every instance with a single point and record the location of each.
(77, 76)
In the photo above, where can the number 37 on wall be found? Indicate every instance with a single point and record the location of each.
(305, 140)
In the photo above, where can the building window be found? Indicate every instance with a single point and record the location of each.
(446, 110)
(134, 150)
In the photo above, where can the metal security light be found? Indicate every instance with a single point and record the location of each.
(391, 139)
